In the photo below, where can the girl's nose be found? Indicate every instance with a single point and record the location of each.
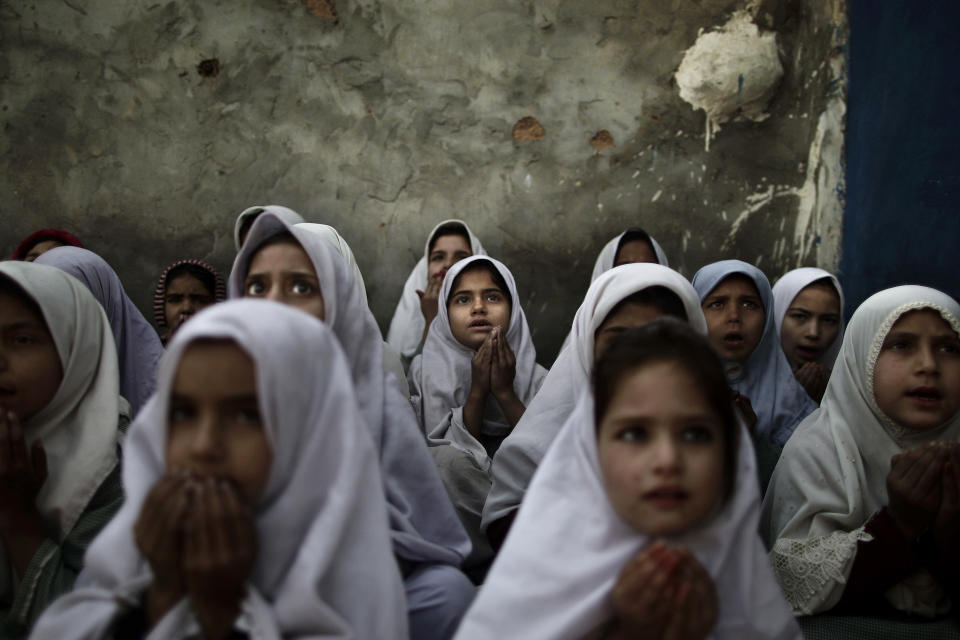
(206, 440)
(666, 456)
(927, 361)
(275, 294)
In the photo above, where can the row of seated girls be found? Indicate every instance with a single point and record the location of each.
(705, 459)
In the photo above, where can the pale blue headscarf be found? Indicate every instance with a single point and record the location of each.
(765, 376)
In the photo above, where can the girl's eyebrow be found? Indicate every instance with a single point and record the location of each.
(24, 324)
(287, 272)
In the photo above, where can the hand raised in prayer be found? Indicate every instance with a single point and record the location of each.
(429, 299)
(159, 536)
(503, 366)
(480, 367)
(946, 524)
(813, 377)
(664, 593)
(219, 550)
(742, 404)
(21, 475)
(914, 487)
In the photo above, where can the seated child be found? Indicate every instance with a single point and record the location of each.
(626, 296)
(185, 288)
(254, 504)
(630, 247)
(138, 347)
(738, 305)
(641, 521)
(471, 385)
(299, 268)
(39, 242)
(448, 242)
(60, 421)
(808, 305)
(863, 511)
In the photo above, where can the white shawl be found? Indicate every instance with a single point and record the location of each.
(407, 324)
(522, 451)
(609, 253)
(789, 286)
(424, 526)
(553, 577)
(324, 566)
(831, 477)
(78, 427)
(440, 377)
(765, 377)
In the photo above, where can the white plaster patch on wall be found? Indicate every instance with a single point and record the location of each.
(731, 72)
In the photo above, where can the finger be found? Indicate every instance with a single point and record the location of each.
(930, 468)
(420, 294)
(18, 446)
(241, 522)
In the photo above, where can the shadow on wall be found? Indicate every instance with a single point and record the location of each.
(902, 221)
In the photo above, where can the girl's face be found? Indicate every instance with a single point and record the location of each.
(283, 272)
(916, 381)
(447, 251)
(477, 305)
(635, 251)
(185, 296)
(30, 368)
(626, 316)
(735, 317)
(214, 426)
(811, 324)
(661, 451)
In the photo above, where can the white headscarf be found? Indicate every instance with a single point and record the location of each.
(789, 287)
(440, 377)
(138, 345)
(765, 377)
(78, 427)
(831, 477)
(287, 215)
(424, 526)
(407, 325)
(522, 451)
(323, 564)
(608, 254)
(554, 576)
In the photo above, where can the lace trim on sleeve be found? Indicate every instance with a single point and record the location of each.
(812, 572)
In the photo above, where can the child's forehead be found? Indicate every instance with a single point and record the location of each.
(736, 282)
(479, 277)
(925, 316)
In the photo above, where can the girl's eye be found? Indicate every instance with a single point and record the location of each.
(896, 345)
(798, 316)
(831, 321)
(461, 299)
(249, 416)
(302, 288)
(951, 347)
(179, 414)
(437, 257)
(494, 297)
(255, 288)
(633, 434)
(697, 434)
(24, 339)
(749, 304)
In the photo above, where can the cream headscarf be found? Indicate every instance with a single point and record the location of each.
(407, 325)
(424, 526)
(553, 577)
(524, 448)
(789, 287)
(324, 566)
(832, 475)
(608, 254)
(78, 427)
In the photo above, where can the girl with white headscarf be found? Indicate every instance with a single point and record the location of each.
(808, 304)
(441, 381)
(407, 326)
(848, 520)
(763, 375)
(521, 453)
(317, 516)
(428, 539)
(61, 464)
(138, 346)
(556, 577)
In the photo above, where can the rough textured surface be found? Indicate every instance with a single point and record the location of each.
(401, 113)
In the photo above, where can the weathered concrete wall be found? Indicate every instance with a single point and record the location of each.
(399, 113)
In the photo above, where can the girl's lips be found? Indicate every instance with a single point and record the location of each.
(667, 497)
(925, 397)
(807, 353)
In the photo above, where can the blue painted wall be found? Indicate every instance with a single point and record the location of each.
(902, 220)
